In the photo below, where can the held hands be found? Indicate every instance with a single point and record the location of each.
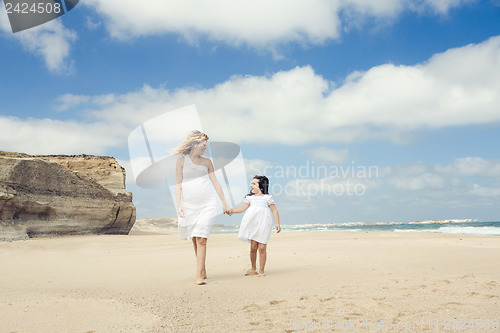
(227, 209)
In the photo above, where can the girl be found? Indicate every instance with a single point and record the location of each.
(196, 190)
(256, 224)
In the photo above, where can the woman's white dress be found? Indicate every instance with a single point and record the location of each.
(199, 200)
(257, 222)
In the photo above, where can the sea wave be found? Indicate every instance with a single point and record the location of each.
(487, 231)
(480, 231)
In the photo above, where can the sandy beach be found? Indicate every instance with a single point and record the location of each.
(315, 282)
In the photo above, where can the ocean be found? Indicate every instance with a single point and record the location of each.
(169, 225)
(469, 228)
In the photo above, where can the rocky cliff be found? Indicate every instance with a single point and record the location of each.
(62, 195)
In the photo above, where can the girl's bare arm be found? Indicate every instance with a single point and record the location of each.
(239, 209)
(276, 215)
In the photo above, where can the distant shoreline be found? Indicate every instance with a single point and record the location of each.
(172, 221)
(452, 226)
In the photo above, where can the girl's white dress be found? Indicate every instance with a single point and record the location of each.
(257, 222)
(199, 200)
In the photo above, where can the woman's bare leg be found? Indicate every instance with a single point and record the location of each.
(194, 245)
(196, 255)
(201, 254)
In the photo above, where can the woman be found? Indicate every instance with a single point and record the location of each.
(196, 189)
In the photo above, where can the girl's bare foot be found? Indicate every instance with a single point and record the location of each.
(261, 274)
(251, 272)
(201, 282)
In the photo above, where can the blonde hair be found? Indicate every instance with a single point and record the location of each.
(193, 138)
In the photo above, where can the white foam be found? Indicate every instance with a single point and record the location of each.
(487, 231)
(484, 231)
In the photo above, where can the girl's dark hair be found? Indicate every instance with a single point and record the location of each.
(263, 184)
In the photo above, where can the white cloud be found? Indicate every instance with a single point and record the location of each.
(411, 176)
(67, 101)
(259, 23)
(442, 92)
(327, 155)
(485, 191)
(471, 166)
(300, 107)
(51, 41)
(438, 6)
(91, 23)
(256, 23)
(46, 136)
(426, 180)
(382, 8)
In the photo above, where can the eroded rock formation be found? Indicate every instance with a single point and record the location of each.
(62, 195)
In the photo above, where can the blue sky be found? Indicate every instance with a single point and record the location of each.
(408, 87)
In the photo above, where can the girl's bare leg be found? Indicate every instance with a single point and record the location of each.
(201, 254)
(253, 254)
(262, 258)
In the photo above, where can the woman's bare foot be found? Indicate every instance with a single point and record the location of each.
(261, 274)
(251, 272)
(201, 282)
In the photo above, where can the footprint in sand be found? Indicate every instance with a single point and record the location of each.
(327, 299)
(252, 307)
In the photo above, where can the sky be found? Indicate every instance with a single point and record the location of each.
(356, 110)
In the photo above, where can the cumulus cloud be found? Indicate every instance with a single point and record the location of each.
(385, 102)
(471, 166)
(426, 180)
(47, 136)
(256, 23)
(459, 87)
(67, 101)
(50, 41)
(438, 6)
(485, 191)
